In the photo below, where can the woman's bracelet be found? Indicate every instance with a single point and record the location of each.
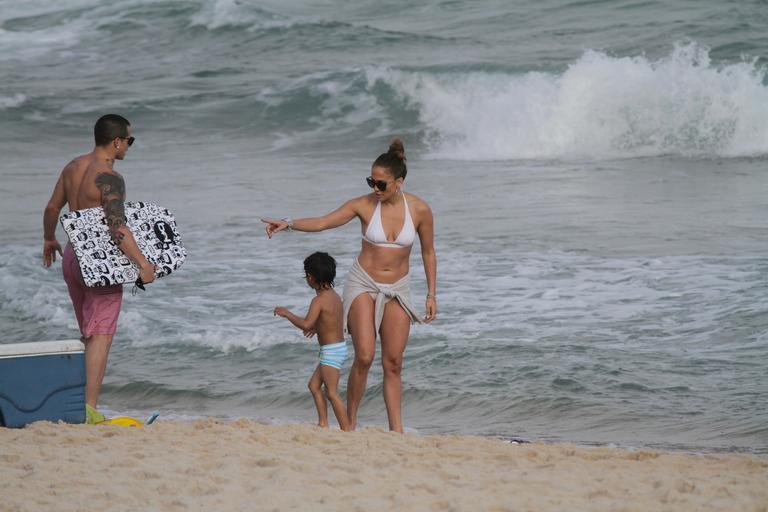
(288, 221)
(432, 296)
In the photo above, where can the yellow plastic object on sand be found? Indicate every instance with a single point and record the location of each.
(122, 421)
(92, 416)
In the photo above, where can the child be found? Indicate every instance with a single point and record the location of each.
(325, 317)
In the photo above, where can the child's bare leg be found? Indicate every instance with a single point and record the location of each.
(330, 376)
(315, 387)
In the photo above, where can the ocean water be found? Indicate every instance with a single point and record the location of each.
(597, 171)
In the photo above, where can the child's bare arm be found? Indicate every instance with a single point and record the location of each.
(305, 324)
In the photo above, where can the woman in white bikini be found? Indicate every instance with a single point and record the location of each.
(377, 296)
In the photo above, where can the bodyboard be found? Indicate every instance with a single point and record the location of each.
(102, 263)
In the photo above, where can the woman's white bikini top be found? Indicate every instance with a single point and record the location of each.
(375, 232)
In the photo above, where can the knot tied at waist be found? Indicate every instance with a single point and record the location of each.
(386, 291)
(358, 281)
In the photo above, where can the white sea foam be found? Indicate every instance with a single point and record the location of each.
(26, 44)
(31, 8)
(564, 296)
(12, 101)
(35, 116)
(600, 107)
(39, 296)
(282, 141)
(344, 103)
(223, 335)
(31, 292)
(215, 14)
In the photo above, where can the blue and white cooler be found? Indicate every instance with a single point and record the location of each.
(42, 381)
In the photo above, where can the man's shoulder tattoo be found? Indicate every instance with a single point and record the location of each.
(112, 189)
(111, 184)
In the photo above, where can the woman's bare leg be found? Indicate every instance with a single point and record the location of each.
(362, 327)
(315, 387)
(330, 376)
(395, 327)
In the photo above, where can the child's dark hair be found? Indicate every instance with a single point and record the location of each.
(393, 160)
(322, 267)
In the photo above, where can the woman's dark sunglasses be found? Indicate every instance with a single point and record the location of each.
(379, 184)
(129, 139)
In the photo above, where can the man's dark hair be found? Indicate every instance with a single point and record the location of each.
(322, 267)
(108, 127)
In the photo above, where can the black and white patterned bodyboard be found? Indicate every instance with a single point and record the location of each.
(103, 264)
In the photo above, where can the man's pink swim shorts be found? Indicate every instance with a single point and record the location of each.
(96, 308)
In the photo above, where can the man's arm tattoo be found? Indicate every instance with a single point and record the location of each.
(112, 189)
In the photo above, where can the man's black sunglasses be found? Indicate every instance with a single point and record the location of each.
(379, 184)
(129, 139)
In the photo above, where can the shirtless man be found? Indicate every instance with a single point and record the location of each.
(88, 181)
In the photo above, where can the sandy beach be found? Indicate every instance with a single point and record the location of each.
(244, 465)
